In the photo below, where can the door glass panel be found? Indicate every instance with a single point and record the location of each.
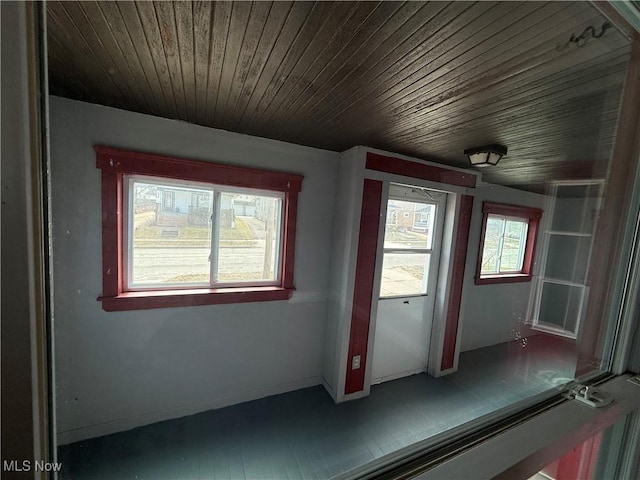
(404, 274)
(409, 225)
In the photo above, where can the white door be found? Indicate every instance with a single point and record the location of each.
(412, 238)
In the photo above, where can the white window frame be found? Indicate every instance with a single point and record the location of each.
(436, 226)
(216, 191)
(521, 247)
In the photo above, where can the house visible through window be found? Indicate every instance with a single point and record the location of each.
(408, 244)
(205, 236)
(194, 232)
(507, 243)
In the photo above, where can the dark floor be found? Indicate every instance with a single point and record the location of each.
(303, 434)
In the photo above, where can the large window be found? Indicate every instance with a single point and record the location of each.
(180, 232)
(211, 235)
(507, 243)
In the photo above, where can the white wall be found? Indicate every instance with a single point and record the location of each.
(490, 314)
(343, 266)
(124, 369)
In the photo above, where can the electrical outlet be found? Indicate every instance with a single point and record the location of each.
(355, 362)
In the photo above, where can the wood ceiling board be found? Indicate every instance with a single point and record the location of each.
(515, 99)
(484, 56)
(393, 55)
(60, 81)
(98, 52)
(518, 69)
(184, 18)
(79, 58)
(276, 21)
(219, 34)
(127, 53)
(524, 117)
(390, 90)
(246, 29)
(441, 65)
(166, 24)
(109, 53)
(316, 59)
(127, 13)
(398, 29)
(385, 17)
(149, 21)
(298, 60)
(291, 29)
(521, 117)
(419, 78)
(202, 20)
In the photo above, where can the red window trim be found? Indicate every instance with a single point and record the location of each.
(407, 168)
(533, 215)
(116, 163)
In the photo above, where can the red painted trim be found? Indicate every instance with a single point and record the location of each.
(363, 288)
(116, 163)
(288, 252)
(386, 164)
(128, 162)
(111, 233)
(457, 279)
(533, 215)
(512, 210)
(186, 298)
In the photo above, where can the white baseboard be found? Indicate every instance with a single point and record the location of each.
(329, 390)
(123, 424)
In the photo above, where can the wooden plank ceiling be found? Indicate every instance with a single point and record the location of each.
(422, 79)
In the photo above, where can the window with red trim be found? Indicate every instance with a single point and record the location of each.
(182, 232)
(507, 243)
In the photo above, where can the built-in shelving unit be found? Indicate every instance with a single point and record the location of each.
(561, 290)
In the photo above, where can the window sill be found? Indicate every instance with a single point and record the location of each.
(192, 297)
(508, 278)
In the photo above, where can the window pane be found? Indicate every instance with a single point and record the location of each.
(492, 243)
(249, 238)
(404, 274)
(171, 239)
(515, 238)
(409, 225)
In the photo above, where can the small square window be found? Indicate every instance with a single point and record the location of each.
(507, 243)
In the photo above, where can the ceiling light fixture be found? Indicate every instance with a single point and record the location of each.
(485, 156)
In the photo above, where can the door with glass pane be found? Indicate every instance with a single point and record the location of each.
(411, 253)
(561, 291)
